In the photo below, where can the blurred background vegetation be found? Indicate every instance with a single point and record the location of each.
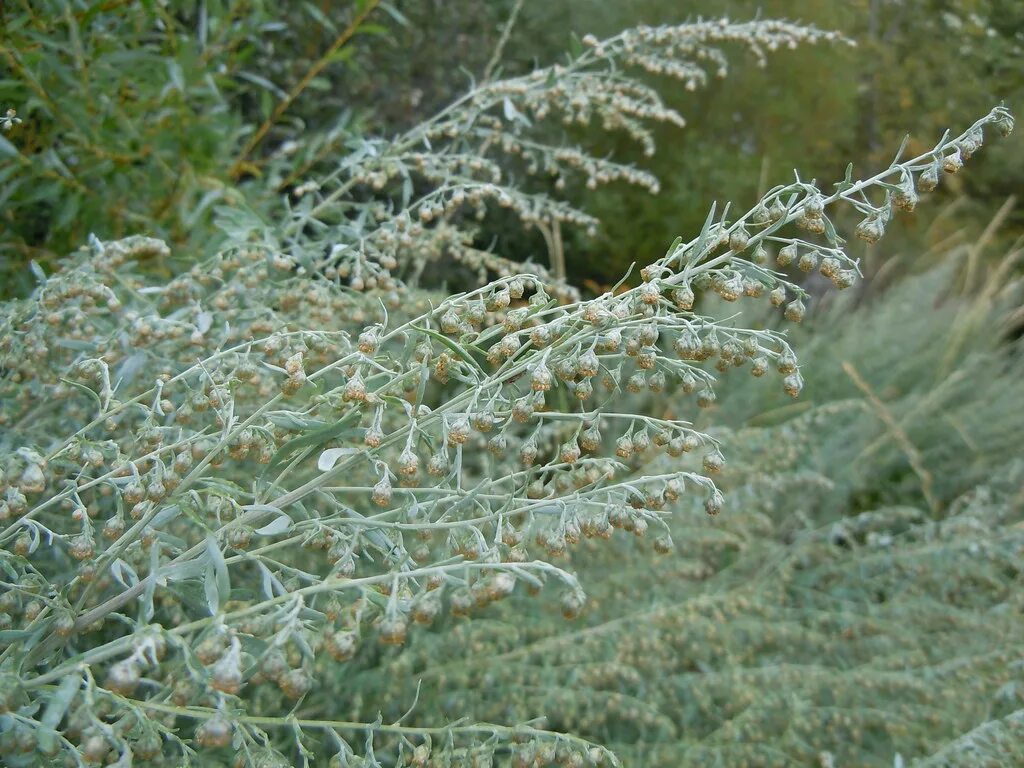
(862, 602)
(142, 116)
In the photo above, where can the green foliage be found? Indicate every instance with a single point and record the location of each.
(134, 116)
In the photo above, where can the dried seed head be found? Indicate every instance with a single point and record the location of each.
(871, 229)
(814, 205)
(624, 447)
(706, 397)
(649, 293)
(408, 463)
(340, 645)
(929, 178)
(215, 732)
(739, 238)
(714, 502)
(953, 162)
(905, 198)
(541, 380)
(450, 322)
(373, 437)
(355, 389)
(522, 410)
(123, 678)
(528, 453)
(590, 438)
(82, 547)
(787, 362)
(438, 465)
(683, 298)
(382, 492)
(793, 383)
(497, 445)
(588, 364)
(569, 453)
(795, 311)
(808, 261)
(787, 255)
(458, 433)
(295, 684)
(714, 461)
(572, 604)
(393, 630)
(830, 267)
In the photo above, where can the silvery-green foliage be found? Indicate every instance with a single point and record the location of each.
(830, 615)
(218, 487)
(389, 208)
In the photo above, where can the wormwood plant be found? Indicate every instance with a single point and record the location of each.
(389, 209)
(219, 491)
(832, 616)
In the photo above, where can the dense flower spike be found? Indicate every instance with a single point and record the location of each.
(491, 151)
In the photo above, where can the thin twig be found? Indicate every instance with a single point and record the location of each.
(299, 87)
(902, 438)
(974, 252)
(499, 49)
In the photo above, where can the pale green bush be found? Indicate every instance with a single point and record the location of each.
(221, 490)
(830, 616)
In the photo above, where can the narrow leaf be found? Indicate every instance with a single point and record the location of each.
(275, 526)
(330, 457)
